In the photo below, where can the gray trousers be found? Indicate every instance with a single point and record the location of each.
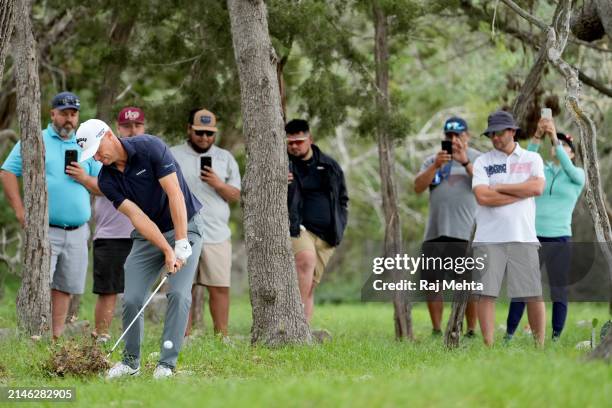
(143, 266)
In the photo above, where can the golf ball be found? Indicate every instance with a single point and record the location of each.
(167, 344)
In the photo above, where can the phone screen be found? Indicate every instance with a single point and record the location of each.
(448, 146)
(546, 113)
(69, 157)
(205, 161)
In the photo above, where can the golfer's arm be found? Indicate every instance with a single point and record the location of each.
(10, 184)
(491, 198)
(145, 226)
(530, 188)
(424, 179)
(176, 200)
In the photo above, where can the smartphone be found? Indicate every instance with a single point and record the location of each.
(546, 113)
(205, 161)
(69, 157)
(448, 146)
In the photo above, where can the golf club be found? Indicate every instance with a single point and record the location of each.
(138, 314)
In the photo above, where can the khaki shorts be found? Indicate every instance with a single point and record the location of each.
(519, 262)
(215, 266)
(307, 241)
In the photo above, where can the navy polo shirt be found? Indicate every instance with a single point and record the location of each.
(149, 159)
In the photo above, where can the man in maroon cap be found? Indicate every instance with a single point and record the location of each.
(111, 241)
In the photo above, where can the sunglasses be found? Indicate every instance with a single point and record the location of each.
(207, 133)
(295, 142)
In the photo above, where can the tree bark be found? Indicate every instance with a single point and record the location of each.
(386, 154)
(198, 306)
(7, 17)
(114, 65)
(33, 300)
(278, 315)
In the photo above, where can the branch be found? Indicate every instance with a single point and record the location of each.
(518, 10)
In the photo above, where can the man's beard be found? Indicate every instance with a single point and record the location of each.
(197, 148)
(64, 132)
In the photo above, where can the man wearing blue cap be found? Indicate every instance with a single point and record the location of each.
(506, 181)
(452, 207)
(69, 205)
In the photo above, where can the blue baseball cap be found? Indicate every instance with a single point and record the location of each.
(66, 100)
(455, 125)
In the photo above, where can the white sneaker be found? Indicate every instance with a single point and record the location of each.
(120, 370)
(162, 372)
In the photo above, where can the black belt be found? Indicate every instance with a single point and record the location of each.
(66, 227)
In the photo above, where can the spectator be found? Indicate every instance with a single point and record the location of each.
(505, 182)
(142, 180)
(69, 206)
(318, 208)
(215, 187)
(554, 208)
(111, 241)
(452, 207)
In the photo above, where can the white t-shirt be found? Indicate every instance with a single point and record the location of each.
(512, 222)
(215, 210)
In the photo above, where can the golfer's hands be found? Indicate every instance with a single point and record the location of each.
(172, 264)
(182, 252)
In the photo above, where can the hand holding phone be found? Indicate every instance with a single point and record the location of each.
(448, 146)
(546, 113)
(69, 157)
(205, 161)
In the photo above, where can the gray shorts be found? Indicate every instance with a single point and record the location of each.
(69, 258)
(519, 259)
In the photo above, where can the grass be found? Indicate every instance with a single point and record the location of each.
(363, 366)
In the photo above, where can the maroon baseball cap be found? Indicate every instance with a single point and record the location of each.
(130, 114)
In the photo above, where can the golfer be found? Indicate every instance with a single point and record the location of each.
(143, 181)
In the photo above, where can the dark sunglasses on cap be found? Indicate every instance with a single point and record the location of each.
(208, 133)
(69, 100)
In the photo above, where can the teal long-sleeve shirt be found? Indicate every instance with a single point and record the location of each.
(564, 183)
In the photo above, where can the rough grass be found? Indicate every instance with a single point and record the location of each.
(363, 366)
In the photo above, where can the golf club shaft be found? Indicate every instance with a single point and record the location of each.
(138, 314)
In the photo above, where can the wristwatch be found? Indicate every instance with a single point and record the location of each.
(466, 163)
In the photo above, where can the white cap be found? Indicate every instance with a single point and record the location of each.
(89, 135)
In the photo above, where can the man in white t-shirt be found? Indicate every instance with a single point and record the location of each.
(505, 182)
(213, 177)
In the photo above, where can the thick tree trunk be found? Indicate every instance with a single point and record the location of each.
(33, 302)
(278, 315)
(114, 64)
(393, 233)
(7, 18)
(198, 308)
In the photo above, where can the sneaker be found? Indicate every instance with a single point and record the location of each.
(507, 338)
(162, 372)
(121, 370)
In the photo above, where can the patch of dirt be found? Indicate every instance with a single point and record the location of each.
(77, 359)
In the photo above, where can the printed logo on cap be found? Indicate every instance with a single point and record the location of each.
(454, 126)
(205, 119)
(131, 115)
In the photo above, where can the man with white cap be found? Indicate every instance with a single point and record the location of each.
(69, 198)
(143, 181)
(111, 239)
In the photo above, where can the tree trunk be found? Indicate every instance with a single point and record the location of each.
(113, 65)
(33, 300)
(278, 315)
(197, 319)
(386, 155)
(7, 18)
(280, 66)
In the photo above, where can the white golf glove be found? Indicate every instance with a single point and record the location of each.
(182, 250)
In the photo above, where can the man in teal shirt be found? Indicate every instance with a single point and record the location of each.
(554, 208)
(69, 205)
